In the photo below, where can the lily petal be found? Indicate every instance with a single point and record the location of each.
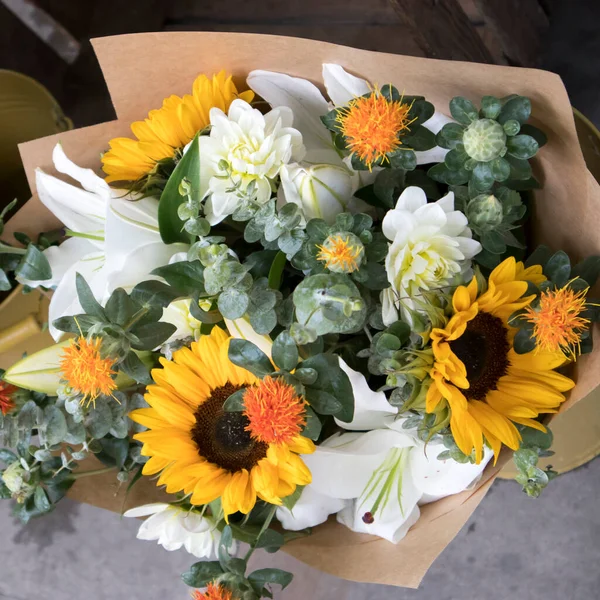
(371, 409)
(341, 86)
(311, 509)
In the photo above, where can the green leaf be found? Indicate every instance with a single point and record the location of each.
(78, 324)
(456, 158)
(537, 134)
(41, 501)
(4, 282)
(334, 381)
(235, 402)
(270, 540)
(450, 135)
(420, 139)
(588, 270)
(520, 169)
(88, 302)
(114, 452)
(55, 425)
(169, 223)
(493, 242)
(233, 303)
(187, 277)
(540, 256)
(463, 110)
(312, 429)
(285, 352)
(330, 120)
(323, 402)
(522, 146)
(306, 376)
(500, 169)
(558, 268)
(248, 356)
(259, 579)
(524, 341)
(482, 177)
(34, 265)
(276, 271)
(7, 456)
(152, 335)
(518, 108)
(154, 293)
(490, 107)
(403, 159)
(534, 438)
(119, 307)
(387, 185)
(202, 573)
(135, 368)
(290, 501)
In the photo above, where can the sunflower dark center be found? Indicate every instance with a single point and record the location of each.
(221, 437)
(483, 349)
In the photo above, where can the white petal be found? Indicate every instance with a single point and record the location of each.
(411, 199)
(136, 266)
(447, 202)
(389, 311)
(146, 509)
(440, 478)
(86, 177)
(468, 246)
(79, 210)
(153, 527)
(307, 104)
(310, 510)
(398, 511)
(64, 300)
(341, 86)
(371, 409)
(129, 225)
(61, 259)
(434, 155)
(343, 464)
(392, 527)
(437, 121)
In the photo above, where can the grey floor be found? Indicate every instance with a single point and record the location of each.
(513, 547)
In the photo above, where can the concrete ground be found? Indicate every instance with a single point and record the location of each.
(513, 547)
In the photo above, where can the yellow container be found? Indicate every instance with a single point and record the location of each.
(27, 111)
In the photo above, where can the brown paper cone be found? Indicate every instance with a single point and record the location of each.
(142, 69)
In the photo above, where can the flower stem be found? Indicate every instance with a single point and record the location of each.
(264, 527)
(93, 472)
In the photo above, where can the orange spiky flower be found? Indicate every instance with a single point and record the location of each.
(6, 401)
(275, 412)
(372, 124)
(213, 592)
(557, 321)
(84, 369)
(341, 253)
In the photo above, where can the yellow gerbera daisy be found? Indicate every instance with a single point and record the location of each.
(169, 128)
(488, 386)
(209, 453)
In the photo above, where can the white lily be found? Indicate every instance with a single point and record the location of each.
(115, 241)
(384, 474)
(174, 527)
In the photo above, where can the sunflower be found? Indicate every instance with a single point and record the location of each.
(204, 451)
(169, 128)
(487, 385)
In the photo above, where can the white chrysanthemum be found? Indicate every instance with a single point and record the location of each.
(173, 527)
(431, 248)
(243, 154)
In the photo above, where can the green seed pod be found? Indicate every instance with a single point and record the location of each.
(484, 140)
(484, 212)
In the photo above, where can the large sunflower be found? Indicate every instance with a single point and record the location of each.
(169, 128)
(209, 453)
(487, 385)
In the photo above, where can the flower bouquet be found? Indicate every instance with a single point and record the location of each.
(301, 307)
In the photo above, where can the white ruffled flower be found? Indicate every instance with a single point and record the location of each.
(114, 241)
(379, 478)
(431, 248)
(174, 527)
(243, 155)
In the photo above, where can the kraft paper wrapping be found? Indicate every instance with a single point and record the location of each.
(142, 69)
